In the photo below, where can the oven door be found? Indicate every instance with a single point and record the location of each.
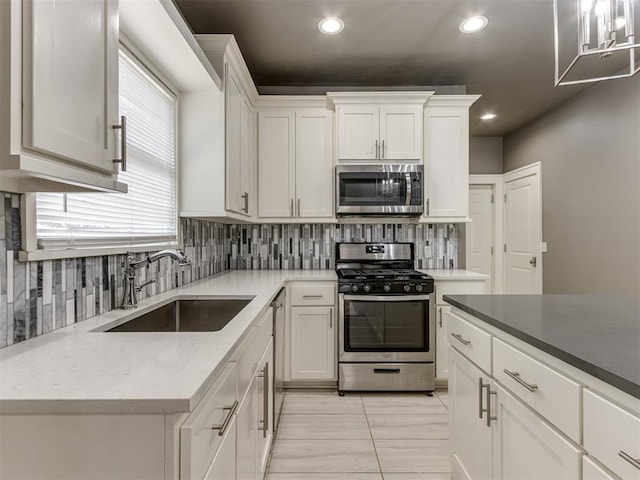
(386, 328)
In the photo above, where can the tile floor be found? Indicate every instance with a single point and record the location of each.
(365, 436)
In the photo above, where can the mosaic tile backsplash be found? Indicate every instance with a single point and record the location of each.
(41, 296)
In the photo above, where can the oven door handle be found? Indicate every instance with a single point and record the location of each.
(407, 200)
(386, 298)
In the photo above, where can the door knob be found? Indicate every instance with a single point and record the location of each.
(533, 261)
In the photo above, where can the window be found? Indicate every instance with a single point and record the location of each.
(147, 214)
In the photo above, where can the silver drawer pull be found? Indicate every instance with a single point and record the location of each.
(312, 296)
(458, 337)
(516, 376)
(633, 461)
(223, 428)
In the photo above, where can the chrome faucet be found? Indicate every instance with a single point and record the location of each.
(130, 299)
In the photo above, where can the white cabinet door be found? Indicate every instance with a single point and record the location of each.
(526, 447)
(70, 64)
(314, 163)
(470, 436)
(401, 132)
(233, 128)
(223, 466)
(358, 132)
(247, 423)
(276, 188)
(264, 434)
(313, 351)
(247, 163)
(442, 344)
(446, 137)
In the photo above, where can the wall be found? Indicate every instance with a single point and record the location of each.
(43, 296)
(590, 154)
(485, 155)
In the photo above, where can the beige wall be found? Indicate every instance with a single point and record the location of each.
(485, 155)
(590, 154)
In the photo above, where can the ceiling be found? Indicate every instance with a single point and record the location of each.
(398, 43)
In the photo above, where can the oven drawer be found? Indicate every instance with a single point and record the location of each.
(386, 376)
(312, 294)
(471, 341)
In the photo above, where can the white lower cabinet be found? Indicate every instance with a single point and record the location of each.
(470, 437)
(264, 405)
(313, 353)
(246, 454)
(223, 466)
(525, 446)
(593, 471)
(442, 362)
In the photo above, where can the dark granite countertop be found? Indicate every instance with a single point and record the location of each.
(597, 334)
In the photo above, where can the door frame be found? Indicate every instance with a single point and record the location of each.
(534, 169)
(496, 182)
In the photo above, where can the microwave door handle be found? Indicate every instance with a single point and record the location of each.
(407, 200)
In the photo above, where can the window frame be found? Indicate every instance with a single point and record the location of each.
(30, 250)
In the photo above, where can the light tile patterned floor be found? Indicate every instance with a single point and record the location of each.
(364, 436)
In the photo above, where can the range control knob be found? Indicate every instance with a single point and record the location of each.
(407, 288)
(387, 288)
(419, 287)
(354, 288)
(367, 288)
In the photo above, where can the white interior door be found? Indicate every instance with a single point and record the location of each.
(479, 233)
(523, 235)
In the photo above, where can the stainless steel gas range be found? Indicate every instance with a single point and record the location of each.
(386, 339)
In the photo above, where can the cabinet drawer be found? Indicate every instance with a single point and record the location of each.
(198, 439)
(313, 294)
(458, 288)
(252, 351)
(554, 396)
(611, 433)
(473, 342)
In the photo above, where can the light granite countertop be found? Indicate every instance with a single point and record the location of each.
(79, 369)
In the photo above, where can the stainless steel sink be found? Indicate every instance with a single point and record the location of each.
(186, 316)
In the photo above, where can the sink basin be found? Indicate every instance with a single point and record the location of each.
(186, 316)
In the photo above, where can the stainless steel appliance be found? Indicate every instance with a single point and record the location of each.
(386, 315)
(278, 352)
(379, 189)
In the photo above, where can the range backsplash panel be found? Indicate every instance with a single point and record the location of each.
(42, 296)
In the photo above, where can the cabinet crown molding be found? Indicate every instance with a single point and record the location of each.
(452, 100)
(338, 98)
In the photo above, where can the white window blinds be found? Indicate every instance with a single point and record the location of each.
(147, 213)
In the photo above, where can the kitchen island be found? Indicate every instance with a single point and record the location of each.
(544, 385)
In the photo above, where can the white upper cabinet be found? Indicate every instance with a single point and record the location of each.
(295, 164)
(60, 95)
(380, 126)
(446, 157)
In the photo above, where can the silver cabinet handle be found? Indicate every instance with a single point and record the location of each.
(311, 296)
(298, 207)
(382, 149)
(480, 387)
(265, 401)
(427, 207)
(516, 376)
(291, 208)
(245, 197)
(633, 461)
(458, 337)
(440, 312)
(330, 318)
(488, 396)
(377, 150)
(225, 424)
(123, 143)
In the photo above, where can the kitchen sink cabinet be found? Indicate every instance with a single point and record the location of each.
(58, 118)
(380, 126)
(446, 158)
(295, 163)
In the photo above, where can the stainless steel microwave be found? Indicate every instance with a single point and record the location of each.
(379, 189)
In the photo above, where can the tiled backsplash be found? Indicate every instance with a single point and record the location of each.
(41, 296)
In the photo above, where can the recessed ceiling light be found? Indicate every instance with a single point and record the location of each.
(488, 116)
(473, 24)
(331, 25)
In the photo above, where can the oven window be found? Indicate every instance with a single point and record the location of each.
(372, 189)
(379, 326)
